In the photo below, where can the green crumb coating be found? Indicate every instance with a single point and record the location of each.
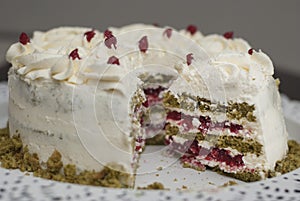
(192, 136)
(229, 183)
(106, 177)
(270, 173)
(243, 176)
(156, 140)
(240, 144)
(200, 136)
(241, 110)
(233, 110)
(189, 106)
(224, 141)
(154, 186)
(31, 162)
(14, 155)
(54, 163)
(146, 117)
(70, 172)
(211, 138)
(198, 168)
(204, 100)
(291, 161)
(8, 144)
(137, 99)
(203, 104)
(169, 100)
(277, 82)
(171, 130)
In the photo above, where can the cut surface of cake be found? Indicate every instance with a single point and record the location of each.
(98, 97)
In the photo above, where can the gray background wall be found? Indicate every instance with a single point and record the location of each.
(271, 25)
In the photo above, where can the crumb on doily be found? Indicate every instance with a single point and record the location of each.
(154, 186)
(229, 183)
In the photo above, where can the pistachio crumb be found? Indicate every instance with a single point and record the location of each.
(154, 186)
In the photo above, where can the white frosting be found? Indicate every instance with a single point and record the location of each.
(47, 54)
(221, 70)
(46, 49)
(51, 116)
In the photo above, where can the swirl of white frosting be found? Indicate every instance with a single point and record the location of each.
(18, 50)
(47, 55)
(233, 60)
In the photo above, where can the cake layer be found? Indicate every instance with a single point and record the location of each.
(235, 142)
(245, 132)
(196, 104)
(199, 155)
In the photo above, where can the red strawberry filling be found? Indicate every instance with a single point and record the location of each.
(193, 153)
(192, 150)
(205, 123)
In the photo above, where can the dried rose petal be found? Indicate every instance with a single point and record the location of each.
(107, 33)
(89, 35)
(155, 24)
(192, 29)
(24, 39)
(110, 39)
(74, 54)
(138, 148)
(250, 51)
(143, 44)
(228, 35)
(113, 60)
(189, 58)
(168, 32)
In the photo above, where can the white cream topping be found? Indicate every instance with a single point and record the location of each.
(230, 56)
(47, 54)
